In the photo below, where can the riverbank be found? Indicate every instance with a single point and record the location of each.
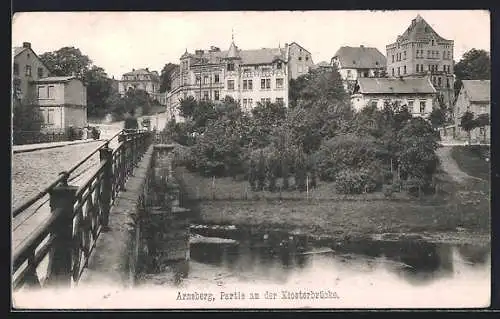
(459, 213)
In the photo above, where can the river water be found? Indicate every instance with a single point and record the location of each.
(287, 271)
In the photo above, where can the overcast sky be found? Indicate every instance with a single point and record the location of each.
(120, 41)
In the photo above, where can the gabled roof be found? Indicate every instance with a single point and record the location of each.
(477, 90)
(232, 53)
(18, 50)
(395, 86)
(300, 46)
(360, 58)
(420, 30)
(55, 79)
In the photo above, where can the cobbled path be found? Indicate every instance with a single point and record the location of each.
(34, 171)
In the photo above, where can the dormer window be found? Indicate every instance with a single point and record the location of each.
(230, 66)
(278, 65)
(432, 42)
(376, 63)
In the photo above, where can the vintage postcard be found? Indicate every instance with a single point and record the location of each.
(250, 160)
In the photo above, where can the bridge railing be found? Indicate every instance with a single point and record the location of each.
(78, 215)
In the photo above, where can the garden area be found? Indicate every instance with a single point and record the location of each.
(318, 166)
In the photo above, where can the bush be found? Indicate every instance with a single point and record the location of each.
(355, 182)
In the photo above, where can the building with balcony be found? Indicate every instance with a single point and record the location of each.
(248, 76)
(417, 94)
(62, 101)
(474, 97)
(356, 62)
(419, 51)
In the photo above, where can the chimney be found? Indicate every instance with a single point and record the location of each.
(361, 46)
(133, 70)
(27, 45)
(147, 69)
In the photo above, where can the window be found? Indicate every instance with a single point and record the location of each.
(482, 109)
(393, 58)
(439, 81)
(250, 103)
(279, 83)
(216, 78)
(392, 71)
(399, 70)
(278, 65)
(205, 79)
(265, 84)
(245, 103)
(198, 79)
(50, 91)
(444, 55)
(41, 92)
(307, 58)
(428, 54)
(216, 95)
(410, 104)
(245, 85)
(28, 70)
(230, 84)
(50, 117)
(268, 100)
(447, 83)
(374, 103)
(263, 101)
(300, 58)
(205, 95)
(16, 69)
(432, 42)
(404, 69)
(250, 84)
(422, 107)
(404, 55)
(230, 66)
(300, 68)
(280, 100)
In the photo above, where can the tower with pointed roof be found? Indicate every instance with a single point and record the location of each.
(421, 51)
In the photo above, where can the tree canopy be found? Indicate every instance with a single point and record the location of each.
(474, 65)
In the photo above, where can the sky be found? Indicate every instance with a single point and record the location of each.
(121, 41)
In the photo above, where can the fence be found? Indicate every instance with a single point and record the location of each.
(48, 136)
(78, 215)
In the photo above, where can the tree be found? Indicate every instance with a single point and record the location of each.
(137, 98)
(416, 156)
(474, 65)
(187, 106)
(437, 117)
(66, 61)
(99, 89)
(166, 72)
(467, 123)
(261, 171)
(26, 117)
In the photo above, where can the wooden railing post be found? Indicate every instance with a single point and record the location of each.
(62, 199)
(106, 155)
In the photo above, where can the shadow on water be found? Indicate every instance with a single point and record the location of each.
(416, 262)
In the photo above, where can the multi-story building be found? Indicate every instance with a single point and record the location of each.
(142, 79)
(62, 100)
(248, 76)
(474, 97)
(416, 93)
(299, 60)
(27, 67)
(420, 50)
(356, 62)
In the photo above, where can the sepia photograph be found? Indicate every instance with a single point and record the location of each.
(251, 160)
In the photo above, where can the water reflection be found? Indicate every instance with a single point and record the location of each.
(281, 257)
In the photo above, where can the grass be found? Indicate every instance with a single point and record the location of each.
(325, 213)
(471, 160)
